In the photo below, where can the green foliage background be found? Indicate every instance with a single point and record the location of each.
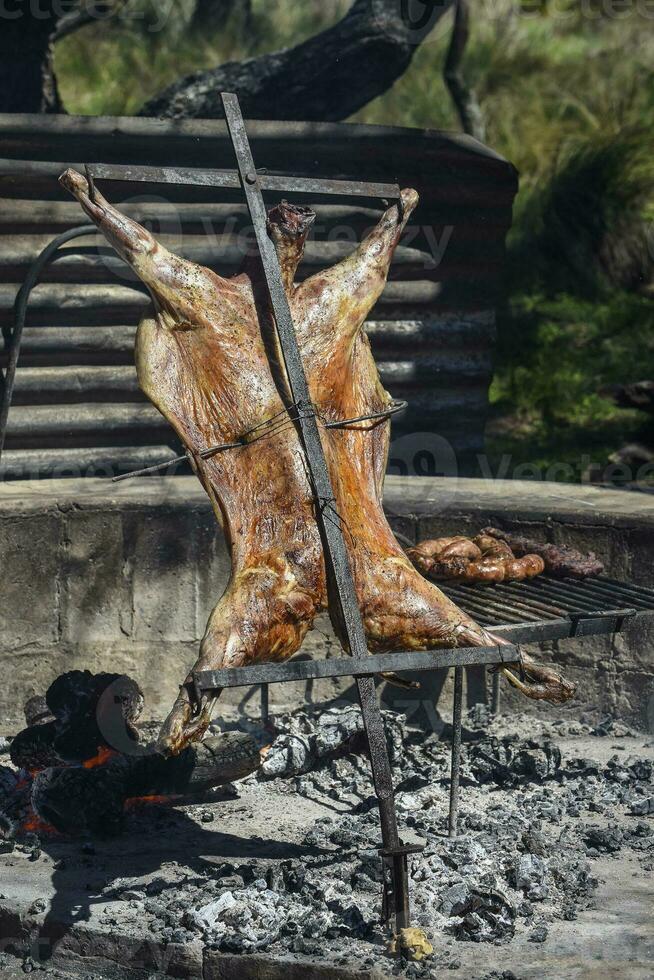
(567, 89)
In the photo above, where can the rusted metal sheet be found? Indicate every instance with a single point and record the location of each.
(432, 332)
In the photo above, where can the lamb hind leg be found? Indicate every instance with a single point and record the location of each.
(403, 610)
(259, 618)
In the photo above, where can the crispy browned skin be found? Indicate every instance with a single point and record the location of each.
(559, 559)
(482, 559)
(208, 358)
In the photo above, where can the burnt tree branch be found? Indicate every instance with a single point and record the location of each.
(465, 101)
(326, 78)
(74, 799)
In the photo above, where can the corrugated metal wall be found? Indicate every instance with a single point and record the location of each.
(77, 409)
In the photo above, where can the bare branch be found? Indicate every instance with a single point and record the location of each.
(465, 101)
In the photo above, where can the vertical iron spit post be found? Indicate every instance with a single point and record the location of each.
(496, 702)
(453, 823)
(265, 704)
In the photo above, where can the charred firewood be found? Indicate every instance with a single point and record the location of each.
(75, 799)
(33, 748)
(37, 711)
(81, 714)
(560, 560)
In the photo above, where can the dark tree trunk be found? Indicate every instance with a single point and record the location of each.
(326, 78)
(27, 80)
(86, 13)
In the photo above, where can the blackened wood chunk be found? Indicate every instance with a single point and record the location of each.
(81, 714)
(33, 748)
(92, 711)
(216, 761)
(76, 800)
(37, 711)
(74, 694)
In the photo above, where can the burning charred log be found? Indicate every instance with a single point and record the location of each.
(79, 799)
(209, 360)
(37, 711)
(78, 771)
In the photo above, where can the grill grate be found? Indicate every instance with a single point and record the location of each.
(546, 608)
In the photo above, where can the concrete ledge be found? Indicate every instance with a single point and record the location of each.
(86, 951)
(123, 577)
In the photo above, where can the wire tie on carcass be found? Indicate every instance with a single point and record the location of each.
(393, 409)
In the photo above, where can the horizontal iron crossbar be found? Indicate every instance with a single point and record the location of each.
(379, 663)
(204, 177)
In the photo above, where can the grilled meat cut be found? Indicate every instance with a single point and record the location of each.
(480, 559)
(559, 559)
(209, 359)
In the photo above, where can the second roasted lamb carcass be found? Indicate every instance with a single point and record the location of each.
(208, 358)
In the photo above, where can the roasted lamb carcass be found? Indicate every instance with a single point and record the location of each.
(209, 359)
(479, 559)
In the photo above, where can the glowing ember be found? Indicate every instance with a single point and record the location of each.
(103, 756)
(34, 825)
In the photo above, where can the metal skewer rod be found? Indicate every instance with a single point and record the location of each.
(453, 822)
(497, 693)
(265, 704)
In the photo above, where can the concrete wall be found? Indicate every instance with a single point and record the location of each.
(123, 578)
